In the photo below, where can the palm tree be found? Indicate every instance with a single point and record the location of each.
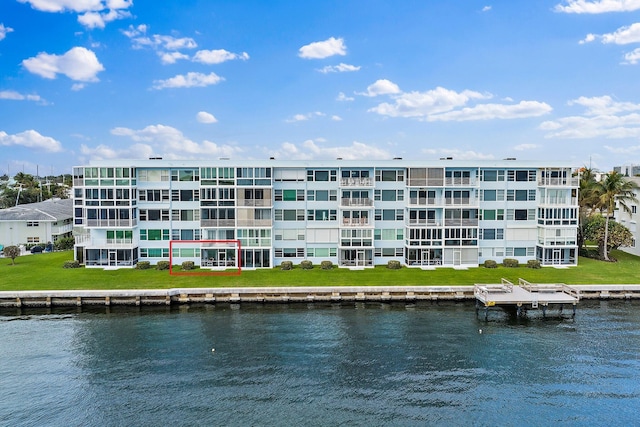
(587, 200)
(612, 188)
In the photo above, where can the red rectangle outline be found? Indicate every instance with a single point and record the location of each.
(205, 273)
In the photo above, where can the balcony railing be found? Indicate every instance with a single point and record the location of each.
(62, 229)
(217, 223)
(255, 202)
(460, 182)
(356, 202)
(560, 201)
(355, 222)
(559, 181)
(87, 241)
(112, 222)
(460, 201)
(425, 201)
(254, 223)
(356, 182)
(424, 222)
(460, 222)
(425, 182)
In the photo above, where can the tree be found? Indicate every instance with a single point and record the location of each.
(617, 234)
(613, 189)
(587, 200)
(12, 252)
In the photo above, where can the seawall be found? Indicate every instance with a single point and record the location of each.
(136, 297)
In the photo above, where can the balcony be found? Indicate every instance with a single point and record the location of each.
(217, 223)
(425, 201)
(424, 222)
(460, 201)
(356, 182)
(548, 181)
(356, 202)
(61, 229)
(559, 201)
(254, 223)
(111, 222)
(255, 202)
(88, 242)
(460, 222)
(460, 182)
(355, 222)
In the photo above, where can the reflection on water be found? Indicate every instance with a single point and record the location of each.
(318, 364)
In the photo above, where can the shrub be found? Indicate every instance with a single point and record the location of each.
(12, 252)
(286, 265)
(326, 265)
(394, 265)
(71, 264)
(143, 265)
(510, 262)
(490, 264)
(306, 265)
(162, 265)
(64, 243)
(188, 265)
(533, 263)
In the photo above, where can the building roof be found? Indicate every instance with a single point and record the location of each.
(49, 210)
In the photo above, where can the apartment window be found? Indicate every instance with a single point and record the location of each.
(491, 233)
(322, 252)
(33, 224)
(634, 209)
(322, 214)
(185, 175)
(521, 175)
(154, 215)
(389, 175)
(493, 175)
(321, 175)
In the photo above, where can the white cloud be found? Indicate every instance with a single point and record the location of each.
(304, 117)
(598, 6)
(204, 117)
(31, 139)
(486, 8)
(381, 87)
(104, 152)
(315, 150)
(623, 35)
(336, 118)
(457, 154)
(172, 143)
(77, 86)
(603, 118)
(79, 64)
(218, 56)
(632, 57)
(494, 111)
(93, 13)
(524, 147)
(623, 150)
(342, 97)
(340, 68)
(171, 57)
(4, 31)
(16, 96)
(323, 49)
(188, 80)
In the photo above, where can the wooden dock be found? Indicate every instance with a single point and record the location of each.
(526, 296)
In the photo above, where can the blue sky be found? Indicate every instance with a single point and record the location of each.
(197, 79)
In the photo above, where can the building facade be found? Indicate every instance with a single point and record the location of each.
(630, 220)
(36, 223)
(354, 213)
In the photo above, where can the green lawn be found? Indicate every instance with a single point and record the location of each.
(45, 272)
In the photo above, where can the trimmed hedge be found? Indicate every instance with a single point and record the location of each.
(286, 265)
(533, 263)
(326, 265)
(162, 265)
(143, 265)
(71, 264)
(394, 265)
(188, 265)
(510, 262)
(306, 265)
(490, 264)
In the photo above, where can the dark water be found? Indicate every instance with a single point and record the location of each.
(362, 364)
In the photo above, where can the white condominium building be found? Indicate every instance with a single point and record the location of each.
(356, 214)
